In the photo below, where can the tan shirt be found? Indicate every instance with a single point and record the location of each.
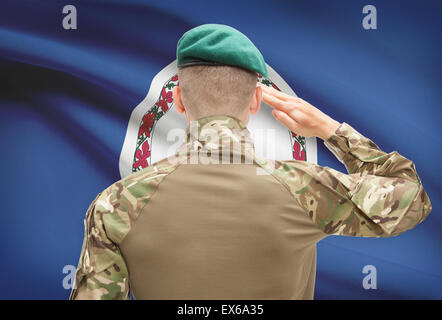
(217, 222)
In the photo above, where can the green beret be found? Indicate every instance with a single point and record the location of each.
(218, 44)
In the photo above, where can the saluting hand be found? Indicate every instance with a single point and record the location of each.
(298, 115)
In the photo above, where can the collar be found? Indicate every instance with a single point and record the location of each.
(218, 137)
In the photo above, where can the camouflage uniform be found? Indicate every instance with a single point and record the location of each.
(247, 230)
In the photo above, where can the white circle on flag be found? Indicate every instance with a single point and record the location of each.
(155, 129)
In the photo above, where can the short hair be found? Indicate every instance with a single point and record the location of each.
(221, 89)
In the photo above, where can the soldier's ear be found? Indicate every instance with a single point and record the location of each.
(177, 102)
(255, 104)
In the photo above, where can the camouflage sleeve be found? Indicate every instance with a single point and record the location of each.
(101, 272)
(381, 196)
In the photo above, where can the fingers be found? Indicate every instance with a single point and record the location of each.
(279, 100)
(286, 120)
(272, 91)
(274, 102)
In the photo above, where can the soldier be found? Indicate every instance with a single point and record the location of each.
(193, 227)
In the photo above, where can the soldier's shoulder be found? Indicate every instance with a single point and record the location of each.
(295, 175)
(284, 167)
(140, 183)
(133, 191)
(119, 205)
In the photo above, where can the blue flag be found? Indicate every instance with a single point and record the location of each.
(85, 99)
